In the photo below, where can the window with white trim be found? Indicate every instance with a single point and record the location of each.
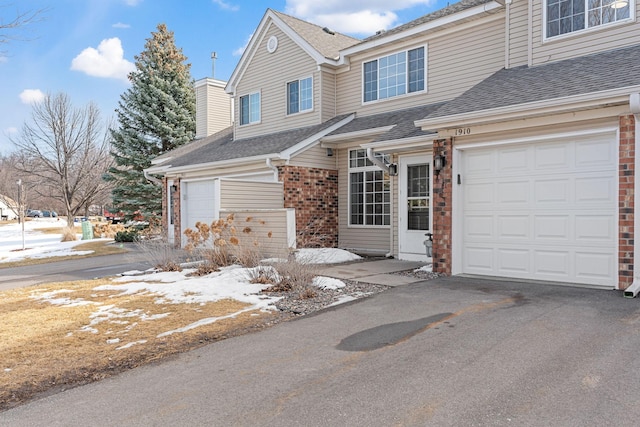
(250, 108)
(394, 75)
(300, 95)
(567, 16)
(369, 195)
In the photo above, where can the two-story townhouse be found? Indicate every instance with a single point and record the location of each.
(504, 128)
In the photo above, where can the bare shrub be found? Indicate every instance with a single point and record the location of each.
(295, 277)
(68, 235)
(263, 274)
(222, 243)
(107, 231)
(161, 253)
(310, 236)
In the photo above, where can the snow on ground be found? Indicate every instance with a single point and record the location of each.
(37, 244)
(232, 282)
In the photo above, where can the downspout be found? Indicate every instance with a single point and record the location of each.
(152, 178)
(376, 161)
(507, 41)
(634, 104)
(273, 168)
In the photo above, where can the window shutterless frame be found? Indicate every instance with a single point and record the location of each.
(300, 96)
(396, 74)
(565, 17)
(250, 108)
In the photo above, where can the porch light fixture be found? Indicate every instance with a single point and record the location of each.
(393, 169)
(174, 188)
(439, 162)
(619, 4)
(329, 152)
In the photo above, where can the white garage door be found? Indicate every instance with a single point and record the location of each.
(542, 211)
(199, 203)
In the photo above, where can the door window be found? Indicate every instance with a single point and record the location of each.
(418, 197)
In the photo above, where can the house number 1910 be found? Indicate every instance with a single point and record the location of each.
(463, 131)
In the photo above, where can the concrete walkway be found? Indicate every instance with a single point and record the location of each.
(377, 271)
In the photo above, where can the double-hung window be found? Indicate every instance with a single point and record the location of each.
(369, 196)
(250, 108)
(567, 16)
(300, 95)
(394, 75)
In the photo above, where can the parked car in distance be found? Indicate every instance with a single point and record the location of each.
(49, 214)
(34, 213)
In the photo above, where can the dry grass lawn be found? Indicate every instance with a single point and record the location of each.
(59, 335)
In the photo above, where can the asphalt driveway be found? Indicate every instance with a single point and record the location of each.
(447, 352)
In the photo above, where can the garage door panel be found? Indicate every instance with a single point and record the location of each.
(513, 226)
(552, 228)
(595, 155)
(595, 189)
(479, 259)
(479, 227)
(552, 191)
(514, 160)
(514, 261)
(478, 194)
(595, 229)
(544, 211)
(552, 264)
(594, 266)
(512, 193)
(552, 156)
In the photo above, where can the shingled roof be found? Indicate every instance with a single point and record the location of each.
(401, 120)
(327, 42)
(441, 13)
(221, 146)
(598, 72)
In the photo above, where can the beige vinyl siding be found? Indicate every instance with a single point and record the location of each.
(247, 194)
(268, 73)
(328, 95)
(593, 40)
(213, 108)
(365, 239)
(269, 231)
(455, 62)
(314, 157)
(519, 34)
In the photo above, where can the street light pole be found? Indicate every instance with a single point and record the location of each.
(21, 209)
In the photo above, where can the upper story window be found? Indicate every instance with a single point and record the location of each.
(369, 191)
(300, 95)
(250, 108)
(394, 75)
(567, 16)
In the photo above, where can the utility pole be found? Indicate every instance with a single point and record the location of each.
(21, 210)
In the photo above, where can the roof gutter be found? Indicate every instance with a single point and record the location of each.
(510, 112)
(152, 179)
(634, 104)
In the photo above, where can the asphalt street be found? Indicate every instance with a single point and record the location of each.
(76, 269)
(447, 352)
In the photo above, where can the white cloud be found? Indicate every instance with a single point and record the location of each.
(31, 96)
(11, 131)
(121, 25)
(105, 61)
(132, 2)
(226, 6)
(239, 51)
(3, 59)
(354, 16)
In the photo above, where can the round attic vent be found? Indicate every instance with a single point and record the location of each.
(272, 44)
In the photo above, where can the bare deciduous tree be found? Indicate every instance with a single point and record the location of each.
(65, 151)
(9, 27)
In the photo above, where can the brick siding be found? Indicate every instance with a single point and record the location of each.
(626, 172)
(314, 195)
(442, 202)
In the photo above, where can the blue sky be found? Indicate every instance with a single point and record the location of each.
(84, 48)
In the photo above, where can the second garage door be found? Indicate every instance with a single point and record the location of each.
(542, 211)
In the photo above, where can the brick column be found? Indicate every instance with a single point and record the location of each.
(626, 172)
(314, 195)
(442, 204)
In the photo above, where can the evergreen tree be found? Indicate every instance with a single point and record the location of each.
(155, 115)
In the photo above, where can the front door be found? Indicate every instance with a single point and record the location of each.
(414, 204)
